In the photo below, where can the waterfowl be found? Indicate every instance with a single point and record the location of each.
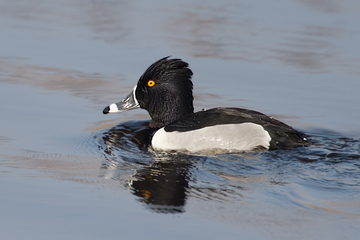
(165, 91)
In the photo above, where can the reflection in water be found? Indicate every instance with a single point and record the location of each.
(107, 19)
(163, 185)
(211, 30)
(94, 86)
(330, 6)
(241, 30)
(161, 181)
(298, 178)
(229, 31)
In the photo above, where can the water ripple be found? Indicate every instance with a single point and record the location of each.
(313, 177)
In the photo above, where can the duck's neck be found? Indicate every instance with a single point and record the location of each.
(170, 112)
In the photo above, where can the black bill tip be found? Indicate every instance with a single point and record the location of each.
(106, 110)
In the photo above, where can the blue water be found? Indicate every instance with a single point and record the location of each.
(68, 171)
(328, 169)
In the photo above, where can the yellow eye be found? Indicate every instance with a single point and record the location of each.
(151, 83)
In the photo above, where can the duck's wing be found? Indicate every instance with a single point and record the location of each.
(282, 135)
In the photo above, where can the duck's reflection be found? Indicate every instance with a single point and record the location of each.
(163, 185)
(161, 181)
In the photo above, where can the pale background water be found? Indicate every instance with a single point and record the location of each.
(62, 62)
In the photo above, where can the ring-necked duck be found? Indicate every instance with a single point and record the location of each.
(165, 91)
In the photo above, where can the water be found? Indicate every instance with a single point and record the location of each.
(326, 170)
(70, 172)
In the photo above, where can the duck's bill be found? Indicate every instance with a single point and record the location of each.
(127, 103)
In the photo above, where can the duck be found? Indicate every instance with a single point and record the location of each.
(165, 90)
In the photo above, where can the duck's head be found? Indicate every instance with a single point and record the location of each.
(164, 90)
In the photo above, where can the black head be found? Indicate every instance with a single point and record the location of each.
(164, 90)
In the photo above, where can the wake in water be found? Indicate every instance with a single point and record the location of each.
(321, 176)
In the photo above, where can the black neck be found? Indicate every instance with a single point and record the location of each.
(171, 111)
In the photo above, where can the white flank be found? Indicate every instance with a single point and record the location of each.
(228, 137)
